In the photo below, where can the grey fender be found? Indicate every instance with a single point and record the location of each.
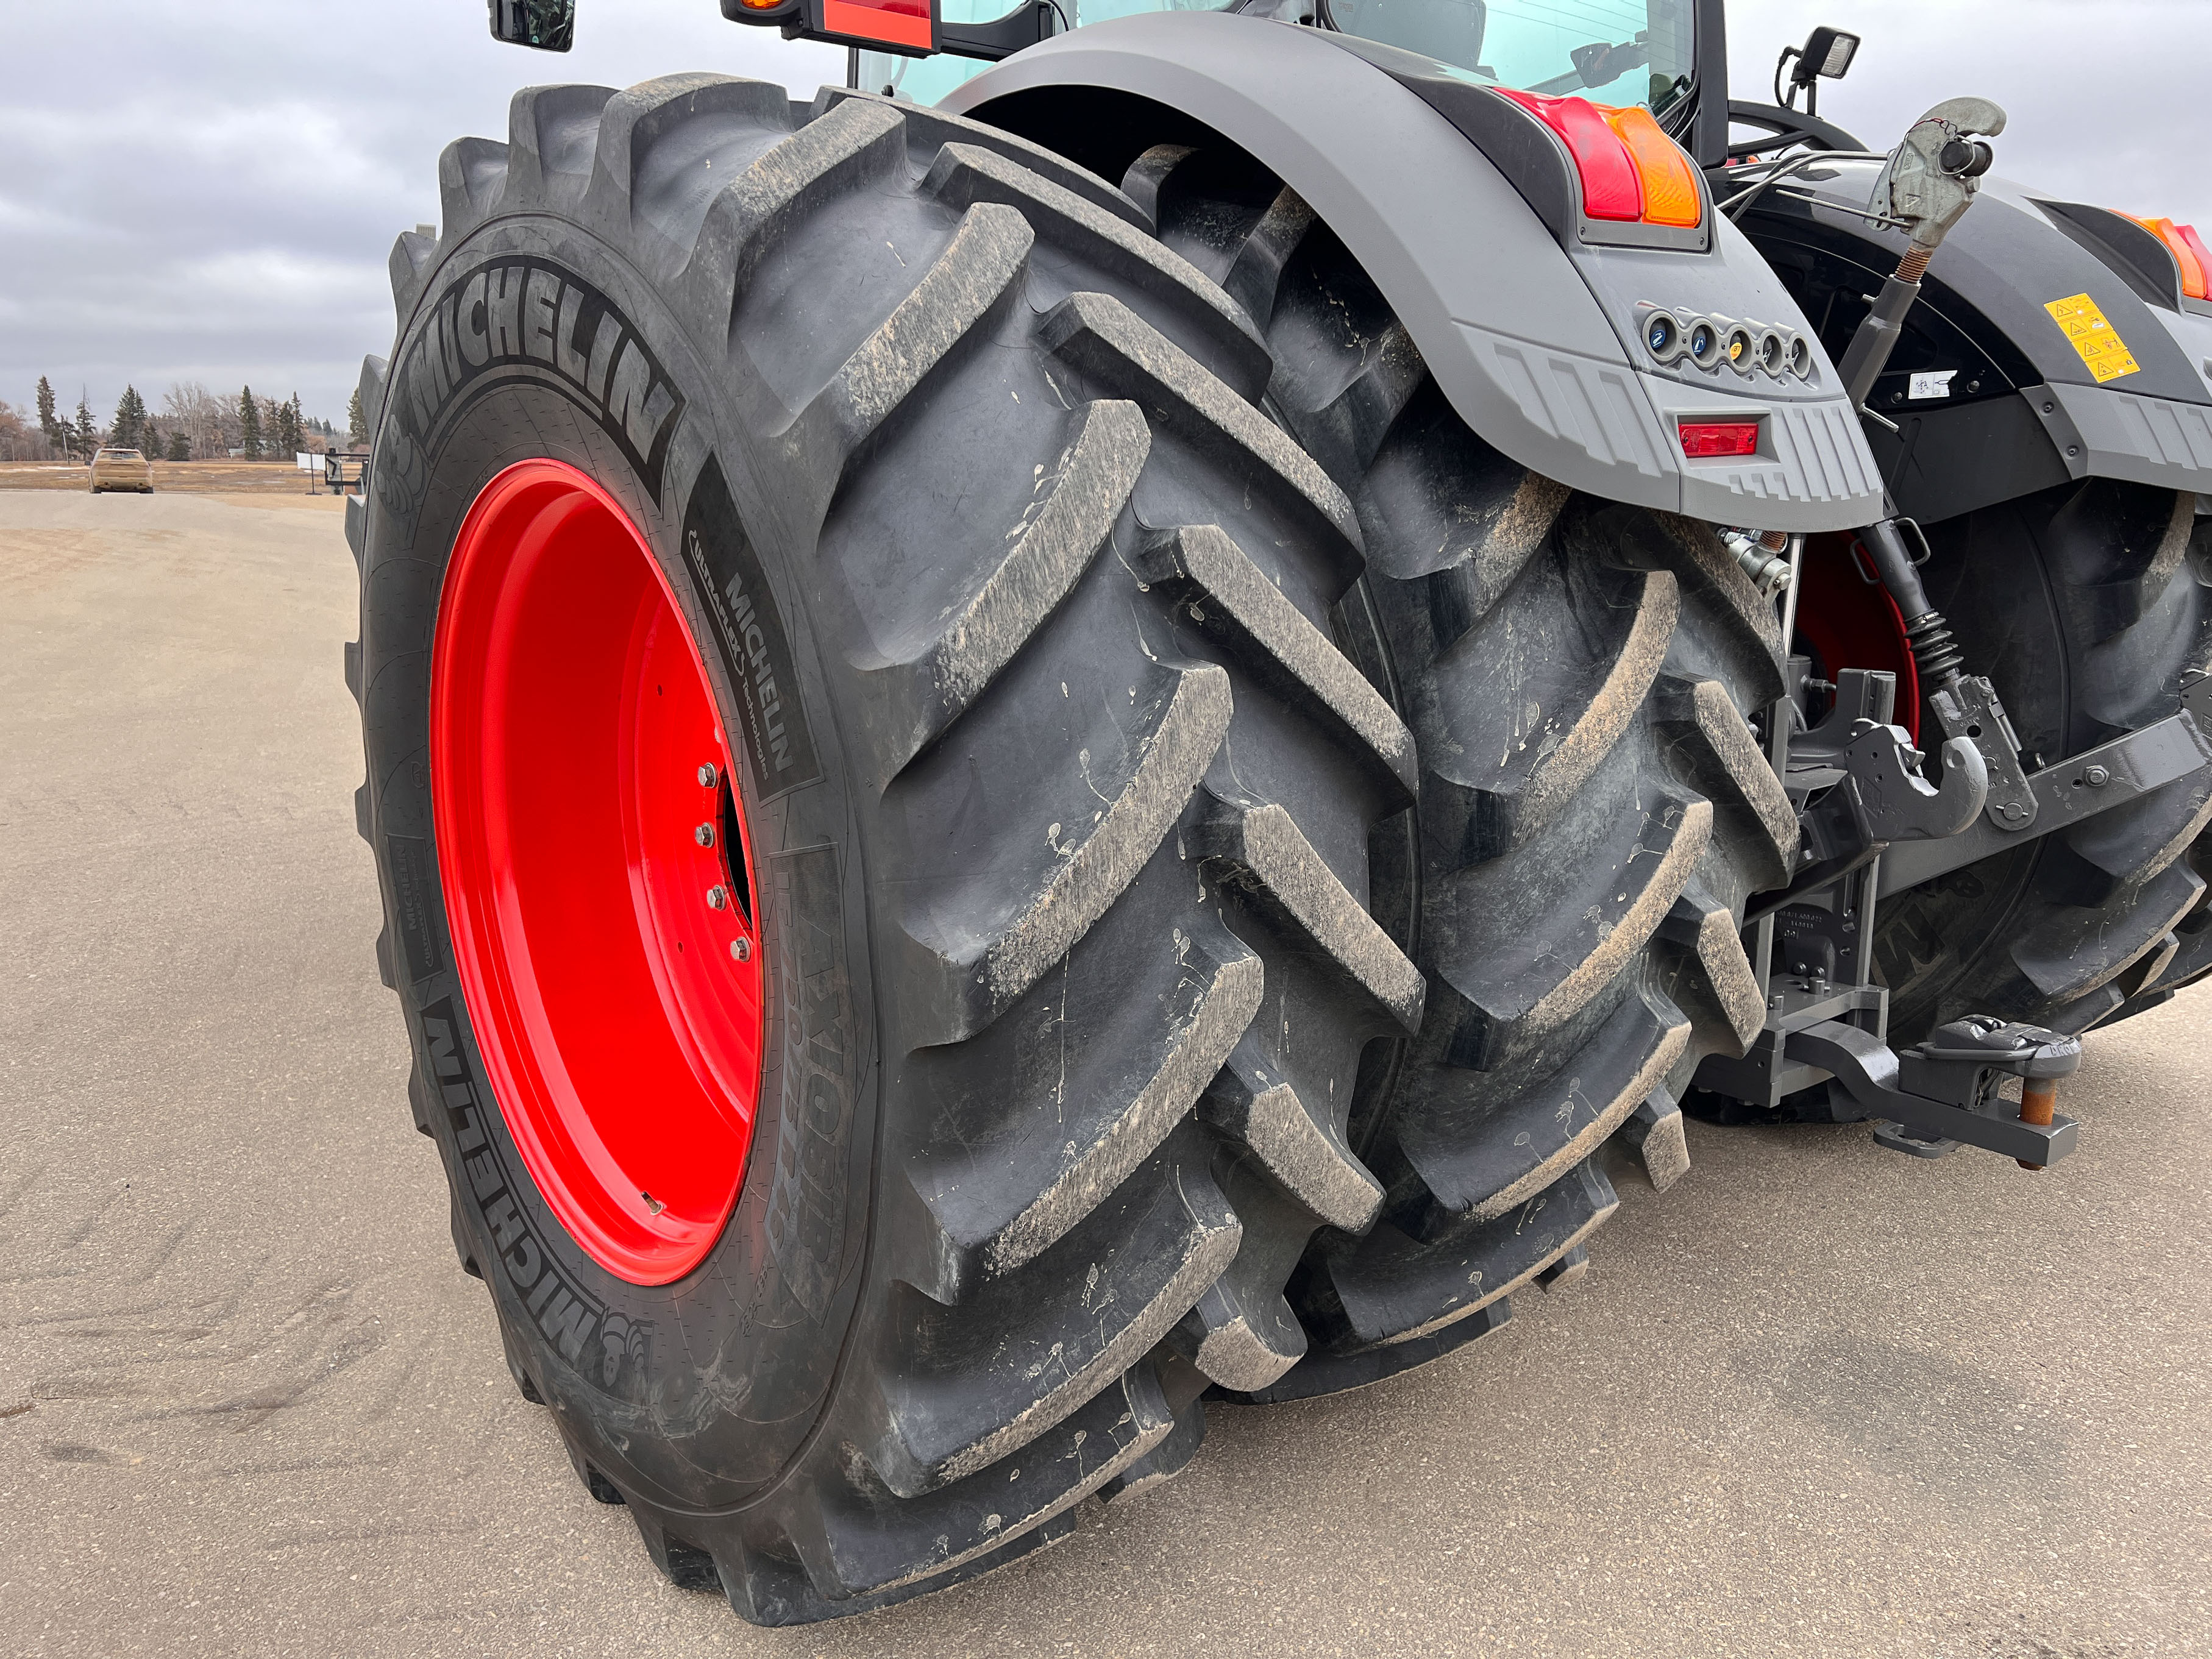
(1536, 344)
(2018, 249)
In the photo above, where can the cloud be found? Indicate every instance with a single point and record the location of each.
(210, 192)
(2105, 100)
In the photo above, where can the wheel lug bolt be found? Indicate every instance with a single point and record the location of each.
(742, 949)
(718, 898)
(708, 776)
(704, 835)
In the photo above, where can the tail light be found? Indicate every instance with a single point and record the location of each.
(1705, 440)
(1671, 196)
(892, 23)
(1630, 169)
(2188, 252)
(907, 27)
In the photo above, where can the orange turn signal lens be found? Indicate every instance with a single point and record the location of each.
(1670, 187)
(2188, 252)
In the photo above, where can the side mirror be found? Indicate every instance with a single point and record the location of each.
(1600, 65)
(545, 25)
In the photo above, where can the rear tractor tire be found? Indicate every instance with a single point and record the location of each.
(2091, 606)
(873, 820)
(1594, 809)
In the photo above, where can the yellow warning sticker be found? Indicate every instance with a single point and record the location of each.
(2099, 343)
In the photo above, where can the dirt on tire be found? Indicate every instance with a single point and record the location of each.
(1063, 812)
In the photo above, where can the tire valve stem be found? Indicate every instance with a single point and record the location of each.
(652, 1203)
(718, 898)
(2038, 1096)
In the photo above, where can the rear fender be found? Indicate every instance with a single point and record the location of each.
(2013, 254)
(1533, 336)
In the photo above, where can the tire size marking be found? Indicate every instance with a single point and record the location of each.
(755, 645)
(520, 313)
(414, 885)
(573, 1322)
(811, 1072)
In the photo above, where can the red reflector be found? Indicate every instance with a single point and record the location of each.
(895, 22)
(1611, 188)
(1704, 438)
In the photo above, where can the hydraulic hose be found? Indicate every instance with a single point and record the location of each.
(1935, 653)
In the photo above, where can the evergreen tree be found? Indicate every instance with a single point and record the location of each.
(129, 419)
(357, 422)
(149, 440)
(49, 428)
(180, 447)
(287, 427)
(86, 435)
(249, 425)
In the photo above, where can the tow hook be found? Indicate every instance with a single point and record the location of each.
(1944, 1092)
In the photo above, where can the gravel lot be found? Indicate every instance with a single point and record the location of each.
(1819, 1399)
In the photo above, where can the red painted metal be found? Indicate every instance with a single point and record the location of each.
(597, 881)
(1848, 622)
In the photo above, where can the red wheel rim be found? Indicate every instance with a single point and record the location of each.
(592, 850)
(1852, 623)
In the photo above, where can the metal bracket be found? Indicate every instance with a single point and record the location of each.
(1768, 1073)
(1946, 1088)
(2076, 789)
(1968, 709)
(1875, 794)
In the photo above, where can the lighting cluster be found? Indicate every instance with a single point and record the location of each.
(1722, 342)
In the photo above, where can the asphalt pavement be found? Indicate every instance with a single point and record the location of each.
(1818, 1398)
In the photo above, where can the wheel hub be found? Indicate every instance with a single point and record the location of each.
(592, 851)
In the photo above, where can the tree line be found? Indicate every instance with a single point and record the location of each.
(193, 424)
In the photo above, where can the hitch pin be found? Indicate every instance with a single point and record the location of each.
(2038, 1096)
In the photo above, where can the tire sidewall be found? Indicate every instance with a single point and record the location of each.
(701, 1390)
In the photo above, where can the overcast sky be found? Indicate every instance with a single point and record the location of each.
(209, 191)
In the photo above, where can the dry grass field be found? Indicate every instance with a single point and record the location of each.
(194, 477)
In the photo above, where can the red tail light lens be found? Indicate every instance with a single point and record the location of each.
(1704, 440)
(2188, 234)
(1630, 168)
(894, 23)
(2188, 252)
(1611, 188)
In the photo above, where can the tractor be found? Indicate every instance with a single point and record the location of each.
(1098, 723)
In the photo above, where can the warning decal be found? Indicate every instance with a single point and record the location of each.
(2099, 344)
